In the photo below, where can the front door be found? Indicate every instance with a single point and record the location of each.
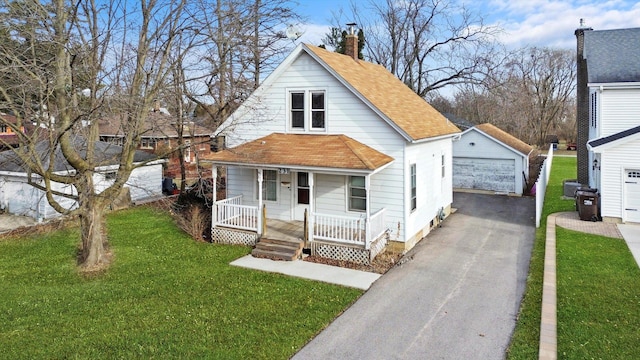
(301, 195)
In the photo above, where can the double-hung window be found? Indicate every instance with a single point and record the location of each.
(357, 194)
(297, 110)
(317, 110)
(307, 110)
(269, 185)
(414, 202)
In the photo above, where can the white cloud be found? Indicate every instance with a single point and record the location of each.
(313, 33)
(552, 23)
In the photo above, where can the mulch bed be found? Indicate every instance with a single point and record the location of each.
(381, 264)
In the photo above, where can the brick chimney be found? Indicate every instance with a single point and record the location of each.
(582, 106)
(351, 42)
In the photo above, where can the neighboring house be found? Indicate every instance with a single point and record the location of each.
(18, 197)
(8, 137)
(161, 134)
(608, 91)
(339, 147)
(488, 158)
(462, 124)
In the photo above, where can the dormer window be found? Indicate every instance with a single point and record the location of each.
(307, 110)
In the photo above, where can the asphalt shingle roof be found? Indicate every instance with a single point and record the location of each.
(157, 125)
(613, 137)
(304, 150)
(505, 138)
(106, 154)
(411, 113)
(612, 55)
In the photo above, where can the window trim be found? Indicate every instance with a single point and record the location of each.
(148, 143)
(350, 196)
(323, 110)
(307, 110)
(264, 182)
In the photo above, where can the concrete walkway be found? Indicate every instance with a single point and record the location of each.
(312, 271)
(548, 349)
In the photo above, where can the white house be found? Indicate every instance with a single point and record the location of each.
(18, 197)
(610, 64)
(488, 158)
(343, 141)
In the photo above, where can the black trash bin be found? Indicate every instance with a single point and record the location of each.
(587, 202)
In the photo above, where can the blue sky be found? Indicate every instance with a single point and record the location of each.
(525, 22)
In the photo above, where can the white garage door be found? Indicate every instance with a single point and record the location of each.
(632, 195)
(484, 174)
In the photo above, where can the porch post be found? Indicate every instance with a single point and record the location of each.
(311, 207)
(214, 207)
(367, 234)
(259, 231)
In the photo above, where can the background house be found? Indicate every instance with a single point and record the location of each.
(488, 158)
(608, 92)
(18, 197)
(344, 142)
(8, 137)
(161, 134)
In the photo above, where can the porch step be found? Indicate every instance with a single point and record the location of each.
(278, 249)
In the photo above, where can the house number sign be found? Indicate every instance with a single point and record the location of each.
(283, 171)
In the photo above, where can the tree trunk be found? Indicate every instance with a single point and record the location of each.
(94, 253)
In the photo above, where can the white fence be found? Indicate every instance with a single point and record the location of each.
(231, 213)
(349, 230)
(541, 184)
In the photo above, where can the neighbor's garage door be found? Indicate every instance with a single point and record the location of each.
(484, 174)
(632, 195)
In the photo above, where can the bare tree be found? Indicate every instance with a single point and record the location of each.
(530, 97)
(428, 44)
(234, 43)
(121, 52)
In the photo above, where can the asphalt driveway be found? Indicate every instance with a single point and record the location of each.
(455, 296)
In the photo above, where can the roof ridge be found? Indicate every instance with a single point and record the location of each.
(349, 142)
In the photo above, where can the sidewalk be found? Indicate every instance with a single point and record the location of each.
(303, 269)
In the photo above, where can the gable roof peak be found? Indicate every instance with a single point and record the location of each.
(402, 108)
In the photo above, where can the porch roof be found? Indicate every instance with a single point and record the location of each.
(303, 150)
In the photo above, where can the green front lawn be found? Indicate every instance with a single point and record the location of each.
(598, 287)
(598, 298)
(164, 296)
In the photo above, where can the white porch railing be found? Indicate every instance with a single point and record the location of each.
(377, 225)
(350, 230)
(231, 213)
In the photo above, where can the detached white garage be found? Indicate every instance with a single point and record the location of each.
(487, 158)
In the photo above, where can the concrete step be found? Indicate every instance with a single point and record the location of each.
(284, 242)
(278, 249)
(274, 255)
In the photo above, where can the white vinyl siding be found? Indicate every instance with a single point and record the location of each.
(427, 157)
(613, 162)
(268, 112)
(619, 110)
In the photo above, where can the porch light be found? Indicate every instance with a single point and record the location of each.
(595, 164)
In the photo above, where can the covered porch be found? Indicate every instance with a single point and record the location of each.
(323, 201)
